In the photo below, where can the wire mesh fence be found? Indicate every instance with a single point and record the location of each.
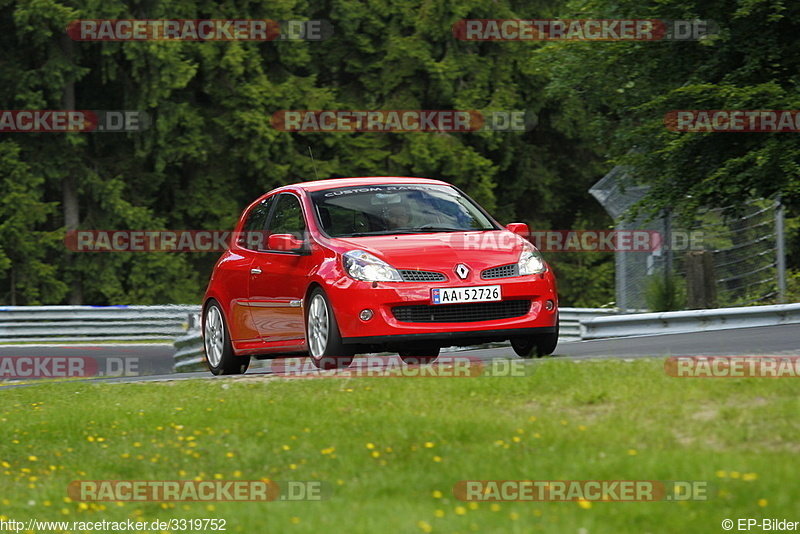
(744, 249)
(745, 245)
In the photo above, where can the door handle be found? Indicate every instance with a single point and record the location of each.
(255, 270)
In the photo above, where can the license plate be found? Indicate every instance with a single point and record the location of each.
(458, 295)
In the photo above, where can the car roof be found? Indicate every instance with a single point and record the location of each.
(332, 183)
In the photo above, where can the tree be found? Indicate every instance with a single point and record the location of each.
(621, 92)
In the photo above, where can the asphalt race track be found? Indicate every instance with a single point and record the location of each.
(138, 362)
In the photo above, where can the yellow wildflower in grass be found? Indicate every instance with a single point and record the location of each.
(460, 510)
(328, 450)
(370, 445)
(375, 454)
(762, 502)
(229, 454)
(429, 445)
(494, 507)
(749, 477)
(632, 452)
(516, 439)
(531, 419)
(473, 506)
(437, 494)
(286, 447)
(439, 513)
(32, 458)
(425, 527)
(513, 516)
(721, 474)
(437, 458)
(295, 520)
(583, 503)
(735, 474)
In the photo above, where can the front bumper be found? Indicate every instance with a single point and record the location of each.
(349, 297)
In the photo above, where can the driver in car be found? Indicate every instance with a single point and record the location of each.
(398, 216)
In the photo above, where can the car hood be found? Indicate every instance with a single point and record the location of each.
(439, 251)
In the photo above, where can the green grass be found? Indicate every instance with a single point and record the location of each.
(590, 420)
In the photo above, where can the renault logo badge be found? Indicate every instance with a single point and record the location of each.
(462, 271)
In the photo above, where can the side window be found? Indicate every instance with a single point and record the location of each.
(288, 217)
(253, 235)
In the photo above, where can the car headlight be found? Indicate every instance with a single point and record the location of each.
(531, 261)
(364, 266)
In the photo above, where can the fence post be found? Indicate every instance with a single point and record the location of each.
(781, 252)
(701, 289)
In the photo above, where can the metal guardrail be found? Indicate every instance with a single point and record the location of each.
(569, 320)
(189, 353)
(53, 324)
(642, 324)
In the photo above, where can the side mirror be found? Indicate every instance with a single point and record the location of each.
(521, 229)
(284, 242)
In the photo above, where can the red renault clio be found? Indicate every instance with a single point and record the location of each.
(332, 268)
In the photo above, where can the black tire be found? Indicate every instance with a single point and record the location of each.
(325, 347)
(419, 356)
(220, 358)
(538, 346)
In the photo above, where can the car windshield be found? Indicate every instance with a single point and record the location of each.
(397, 209)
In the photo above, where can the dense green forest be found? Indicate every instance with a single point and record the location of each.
(211, 148)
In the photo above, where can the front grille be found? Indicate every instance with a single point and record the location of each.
(421, 276)
(503, 271)
(461, 313)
